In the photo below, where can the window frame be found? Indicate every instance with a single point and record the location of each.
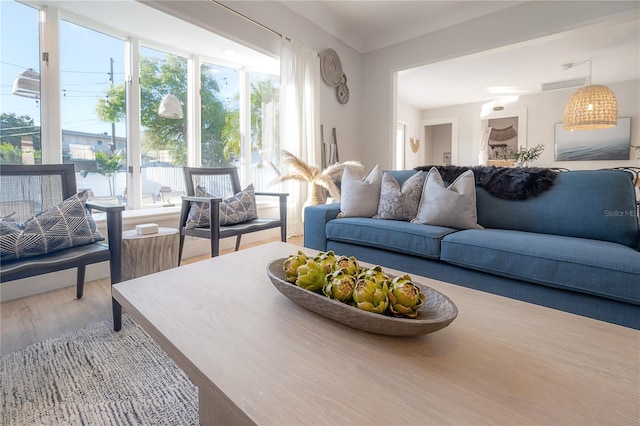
(51, 126)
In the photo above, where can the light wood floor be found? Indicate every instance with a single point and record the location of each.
(32, 319)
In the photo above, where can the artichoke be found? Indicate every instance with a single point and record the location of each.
(326, 260)
(371, 291)
(350, 264)
(311, 276)
(405, 297)
(291, 264)
(339, 285)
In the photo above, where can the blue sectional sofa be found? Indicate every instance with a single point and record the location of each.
(575, 247)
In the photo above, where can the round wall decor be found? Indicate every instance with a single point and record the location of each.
(331, 67)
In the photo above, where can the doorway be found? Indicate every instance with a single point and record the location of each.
(440, 141)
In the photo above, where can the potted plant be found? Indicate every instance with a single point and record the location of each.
(525, 155)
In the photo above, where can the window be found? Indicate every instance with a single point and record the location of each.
(164, 149)
(92, 109)
(265, 135)
(234, 125)
(219, 115)
(20, 141)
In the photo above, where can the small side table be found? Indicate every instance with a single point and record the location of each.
(146, 254)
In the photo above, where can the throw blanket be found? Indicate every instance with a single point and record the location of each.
(504, 182)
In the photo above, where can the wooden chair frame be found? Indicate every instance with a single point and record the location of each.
(74, 257)
(216, 232)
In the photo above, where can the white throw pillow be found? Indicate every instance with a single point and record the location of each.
(453, 206)
(399, 202)
(359, 198)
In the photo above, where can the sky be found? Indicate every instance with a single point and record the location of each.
(18, 25)
(84, 64)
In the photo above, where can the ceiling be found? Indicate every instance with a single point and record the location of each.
(614, 48)
(521, 69)
(369, 25)
(133, 18)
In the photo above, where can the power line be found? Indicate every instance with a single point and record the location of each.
(89, 72)
(18, 127)
(67, 71)
(19, 134)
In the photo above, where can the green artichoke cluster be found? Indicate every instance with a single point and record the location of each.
(342, 278)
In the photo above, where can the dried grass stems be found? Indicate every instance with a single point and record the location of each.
(327, 178)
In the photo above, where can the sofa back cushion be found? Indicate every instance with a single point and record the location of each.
(596, 204)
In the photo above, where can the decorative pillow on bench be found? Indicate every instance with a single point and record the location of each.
(66, 225)
(239, 208)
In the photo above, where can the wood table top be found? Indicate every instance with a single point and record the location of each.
(501, 361)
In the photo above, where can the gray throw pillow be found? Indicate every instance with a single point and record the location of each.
(238, 208)
(359, 198)
(66, 225)
(453, 206)
(399, 203)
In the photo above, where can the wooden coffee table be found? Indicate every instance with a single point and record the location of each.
(256, 357)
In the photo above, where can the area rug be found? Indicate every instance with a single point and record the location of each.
(95, 376)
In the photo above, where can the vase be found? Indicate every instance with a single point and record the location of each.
(316, 196)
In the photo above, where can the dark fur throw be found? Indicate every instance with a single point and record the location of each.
(504, 182)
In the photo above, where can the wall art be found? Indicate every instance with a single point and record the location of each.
(589, 145)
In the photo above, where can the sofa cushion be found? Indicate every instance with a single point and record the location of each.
(590, 266)
(399, 202)
(453, 206)
(571, 208)
(359, 197)
(394, 235)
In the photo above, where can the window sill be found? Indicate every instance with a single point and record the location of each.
(131, 218)
(170, 215)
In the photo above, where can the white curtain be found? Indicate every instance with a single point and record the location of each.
(299, 119)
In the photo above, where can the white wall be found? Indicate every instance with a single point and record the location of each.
(520, 23)
(410, 116)
(543, 110)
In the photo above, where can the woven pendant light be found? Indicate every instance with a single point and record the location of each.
(170, 107)
(590, 108)
(27, 84)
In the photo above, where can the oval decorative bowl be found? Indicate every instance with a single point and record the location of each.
(437, 312)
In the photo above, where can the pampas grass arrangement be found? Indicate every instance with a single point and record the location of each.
(318, 178)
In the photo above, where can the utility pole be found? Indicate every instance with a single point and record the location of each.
(113, 124)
